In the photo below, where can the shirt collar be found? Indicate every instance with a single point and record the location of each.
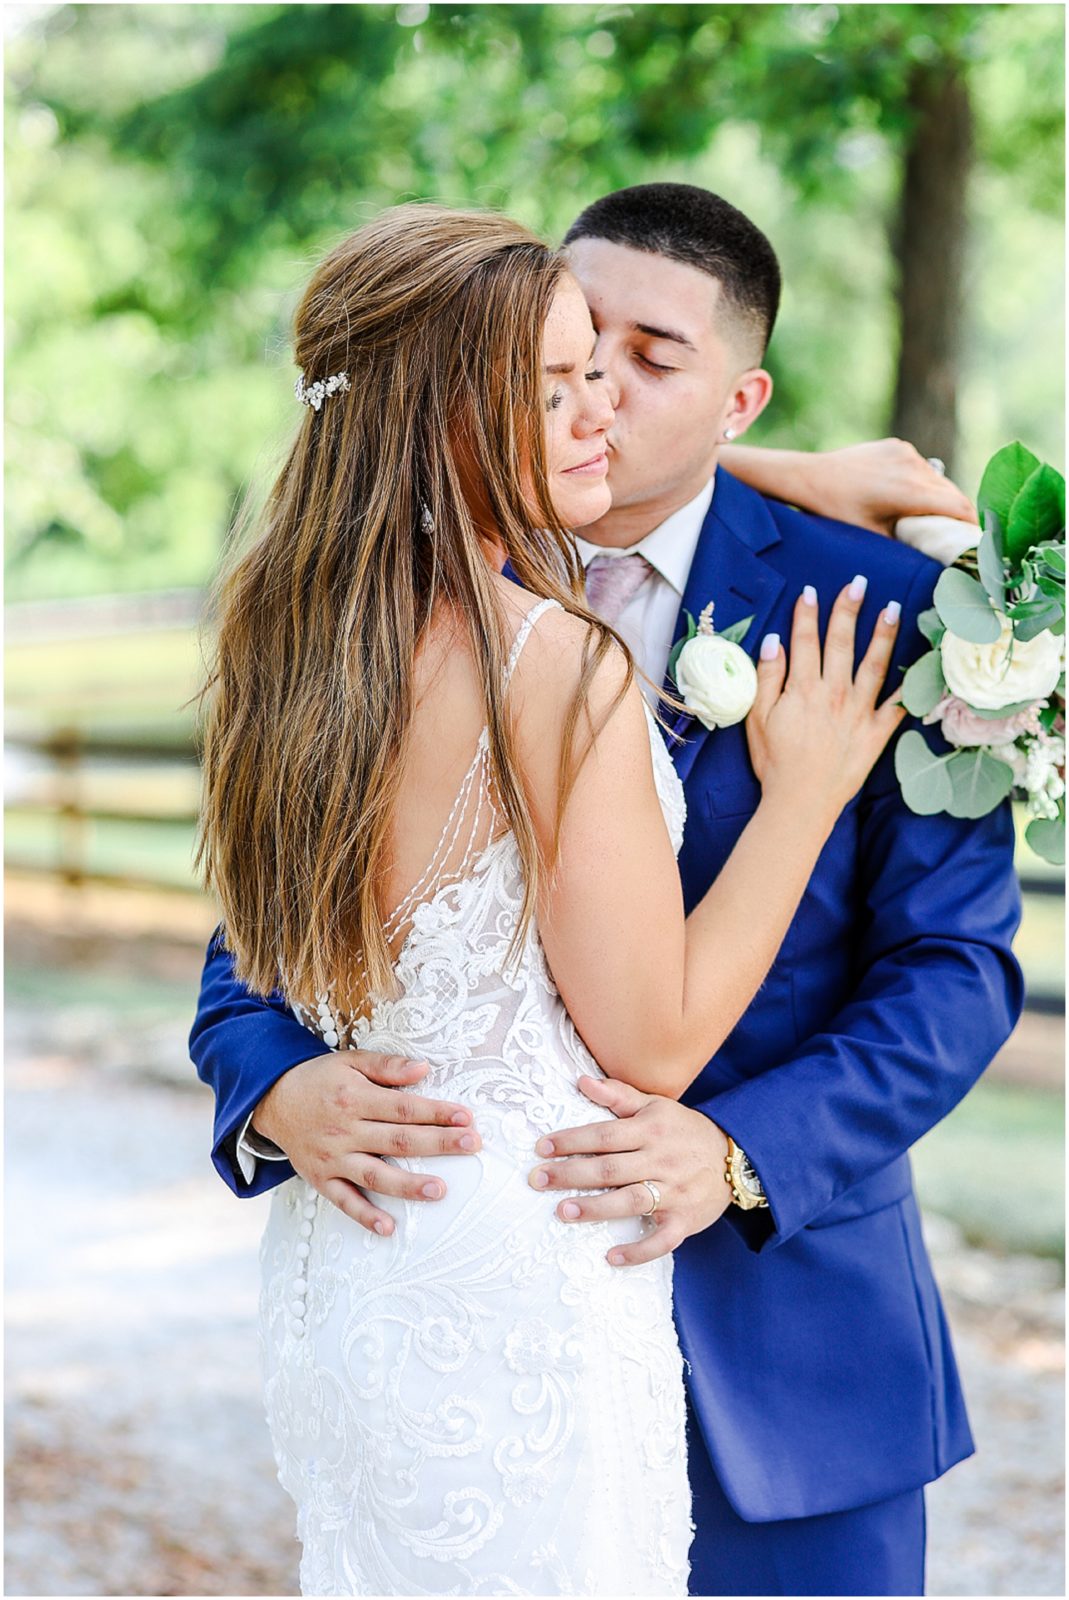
(669, 548)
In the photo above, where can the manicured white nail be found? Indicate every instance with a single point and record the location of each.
(809, 595)
(858, 587)
(893, 612)
(770, 647)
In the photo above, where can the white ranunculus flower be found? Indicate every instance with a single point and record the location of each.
(716, 679)
(989, 677)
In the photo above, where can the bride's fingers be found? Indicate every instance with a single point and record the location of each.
(840, 639)
(805, 639)
(872, 670)
(771, 671)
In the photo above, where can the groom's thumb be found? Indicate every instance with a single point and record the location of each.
(619, 1097)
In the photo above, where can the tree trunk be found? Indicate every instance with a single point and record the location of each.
(930, 250)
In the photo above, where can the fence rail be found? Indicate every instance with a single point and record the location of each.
(70, 752)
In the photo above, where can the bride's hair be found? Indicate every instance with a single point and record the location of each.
(436, 317)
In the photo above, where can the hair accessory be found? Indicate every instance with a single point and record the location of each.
(313, 394)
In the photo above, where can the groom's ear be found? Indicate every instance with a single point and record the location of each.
(750, 396)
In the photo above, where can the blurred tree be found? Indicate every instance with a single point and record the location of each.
(274, 123)
(172, 167)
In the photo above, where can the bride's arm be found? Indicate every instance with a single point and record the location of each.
(871, 485)
(653, 993)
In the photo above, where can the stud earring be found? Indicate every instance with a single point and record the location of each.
(729, 433)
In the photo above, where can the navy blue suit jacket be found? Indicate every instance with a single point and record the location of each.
(821, 1369)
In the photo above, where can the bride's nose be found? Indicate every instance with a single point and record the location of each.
(597, 414)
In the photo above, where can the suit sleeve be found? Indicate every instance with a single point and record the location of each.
(938, 992)
(241, 1043)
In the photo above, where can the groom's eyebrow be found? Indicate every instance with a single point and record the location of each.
(664, 333)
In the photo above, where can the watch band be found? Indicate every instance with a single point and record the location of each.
(746, 1188)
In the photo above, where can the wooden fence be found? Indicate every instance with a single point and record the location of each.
(72, 752)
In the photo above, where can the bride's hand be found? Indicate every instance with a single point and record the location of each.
(876, 483)
(815, 731)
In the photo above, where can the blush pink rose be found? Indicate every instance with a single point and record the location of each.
(962, 726)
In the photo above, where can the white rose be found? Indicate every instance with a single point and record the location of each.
(716, 679)
(987, 677)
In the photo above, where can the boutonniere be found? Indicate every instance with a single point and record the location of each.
(716, 679)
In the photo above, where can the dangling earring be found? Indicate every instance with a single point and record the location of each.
(729, 433)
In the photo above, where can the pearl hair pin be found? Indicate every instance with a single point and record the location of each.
(313, 394)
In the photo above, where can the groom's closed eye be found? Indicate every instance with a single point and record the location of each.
(654, 366)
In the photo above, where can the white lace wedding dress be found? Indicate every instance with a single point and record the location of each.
(478, 1404)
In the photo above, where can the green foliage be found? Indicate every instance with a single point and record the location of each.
(926, 785)
(1037, 512)
(964, 608)
(979, 782)
(1046, 835)
(924, 685)
(174, 170)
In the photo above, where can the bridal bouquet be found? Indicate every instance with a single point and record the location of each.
(994, 679)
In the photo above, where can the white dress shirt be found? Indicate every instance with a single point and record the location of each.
(648, 621)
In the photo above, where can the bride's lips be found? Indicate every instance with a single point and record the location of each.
(594, 468)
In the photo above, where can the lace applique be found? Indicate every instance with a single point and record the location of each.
(477, 1403)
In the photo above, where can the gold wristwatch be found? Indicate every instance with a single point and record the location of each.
(746, 1188)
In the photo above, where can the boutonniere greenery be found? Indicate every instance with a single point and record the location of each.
(715, 677)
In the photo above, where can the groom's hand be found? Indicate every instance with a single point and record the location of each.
(680, 1150)
(337, 1115)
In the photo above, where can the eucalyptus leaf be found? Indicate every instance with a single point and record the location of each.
(1040, 617)
(992, 524)
(979, 782)
(992, 570)
(929, 624)
(735, 632)
(924, 685)
(964, 607)
(926, 785)
(1037, 512)
(1053, 557)
(1002, 479)
(1055, 587)
(1046, 835)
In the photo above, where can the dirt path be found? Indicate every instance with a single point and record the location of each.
(138, 1460)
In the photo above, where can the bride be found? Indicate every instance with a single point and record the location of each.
(439, 815)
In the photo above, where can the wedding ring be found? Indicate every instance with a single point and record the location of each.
(655, 1196)
(937, 465)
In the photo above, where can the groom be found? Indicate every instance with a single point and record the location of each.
(822, 1386)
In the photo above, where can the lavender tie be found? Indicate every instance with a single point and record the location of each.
(611, 581)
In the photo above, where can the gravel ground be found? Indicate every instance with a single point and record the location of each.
(138, 1460)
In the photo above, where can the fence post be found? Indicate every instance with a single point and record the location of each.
(67, 751)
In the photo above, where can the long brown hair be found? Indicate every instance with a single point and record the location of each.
(437, 317)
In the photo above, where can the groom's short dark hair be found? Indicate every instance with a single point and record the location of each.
(699, 229)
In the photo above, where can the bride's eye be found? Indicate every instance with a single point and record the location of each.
(554, 400)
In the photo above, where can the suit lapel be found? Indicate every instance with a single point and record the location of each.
(727, 569)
